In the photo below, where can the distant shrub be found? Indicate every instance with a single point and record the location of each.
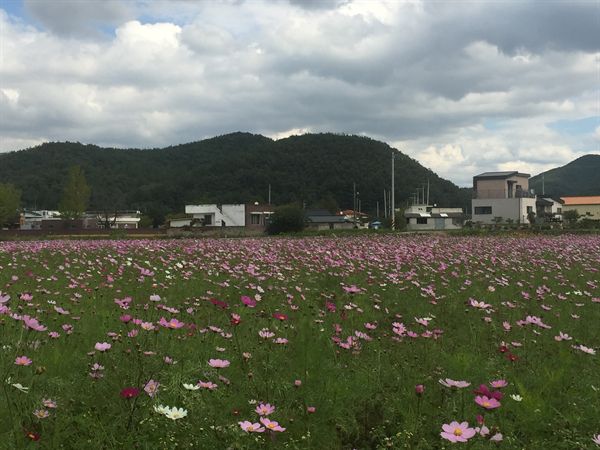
(286, 219)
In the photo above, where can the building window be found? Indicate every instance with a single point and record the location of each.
(529, 209)
(255, 219)
(422, 220)
(207, 220)
(559, 210)
(481, 210)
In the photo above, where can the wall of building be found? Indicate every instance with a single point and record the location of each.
(594, 210)
(498, 188)
(507, 208)
(433, 223)
(222, 215)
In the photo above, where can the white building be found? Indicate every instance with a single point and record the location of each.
(32, 220)
(504, 195)
(218, 215)
(426, 217)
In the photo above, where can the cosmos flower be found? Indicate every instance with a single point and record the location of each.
(486, 402)
(271, 425)
(457, 432)
(264, 409)
(23, 361)
(102, 346)
(151, 388)
(250, 427)
(218, 363)
(129, 392)
(454, 384)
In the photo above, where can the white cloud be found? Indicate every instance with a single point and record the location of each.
(456, 95)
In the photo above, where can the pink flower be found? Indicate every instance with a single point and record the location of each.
(271, 424)
(102, 346)
(23, 361)
(311, 409)
(249, 302)
(297, 383)
(498, 384)
(173, 323)
(48, 403)
(596, 439)
(454, 384)
(483, 390)
(486, 402)
(457, 432)
(562, 337)
(419, 389)
(207, 385)
(250, 427)
(264, 409)
(218, 363)
(151, 388)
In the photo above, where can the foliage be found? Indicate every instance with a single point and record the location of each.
(579, 177)
(234, 168)
(570, 216)
(10, 200)
(76, 194)
(286, 219)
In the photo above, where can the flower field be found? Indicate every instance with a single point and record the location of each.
(309, 343)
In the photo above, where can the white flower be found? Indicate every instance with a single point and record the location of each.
(20, 387)
(191, 387)
(516, 397)
(176, 413)
(161, 409)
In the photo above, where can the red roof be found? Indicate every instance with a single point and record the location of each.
(587, 200)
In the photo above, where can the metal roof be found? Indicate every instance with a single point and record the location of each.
(582, 200)
(507, 174)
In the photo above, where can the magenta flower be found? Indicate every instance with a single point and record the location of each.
(129, 392)
(249, 302)
(419, 389)
(218, 363)
(457, 432)
(23, 361)
(250, 427)
(483, 390)
(487, 402)
(264, 409)
(271, 425)
(102, 346)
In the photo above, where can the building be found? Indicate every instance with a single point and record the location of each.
(322, 219)
(214, 215)
(32, 220)
(252, 215)
(586, 206)
(427, 218)
(547, 209)
(125, 219)
(502, 196)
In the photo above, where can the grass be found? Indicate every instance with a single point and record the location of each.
(363, 390)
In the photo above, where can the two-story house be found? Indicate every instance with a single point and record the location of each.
(502, 194)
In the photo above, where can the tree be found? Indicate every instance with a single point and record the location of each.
(76, 194)
(570, 216)
(10, 200)
(286, 219)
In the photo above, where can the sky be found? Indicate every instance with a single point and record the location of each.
(463, 87)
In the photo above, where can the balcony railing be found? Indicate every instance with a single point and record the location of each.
(502, 193)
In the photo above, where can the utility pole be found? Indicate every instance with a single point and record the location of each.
(354, 207)
(393, 202)
(269, 193)
(543, 185)
(377, 210)
(427, 191)
(384, 204)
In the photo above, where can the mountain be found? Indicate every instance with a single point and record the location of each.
(316, 169)
(579, 177)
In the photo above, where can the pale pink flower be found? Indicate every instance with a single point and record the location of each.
(23, 361)
(584, 349)
(250, 427)
(264, 409)
(487, 402)
(271, 424)
(207, 385)
(562, 337)
(596, 439)
(454, 384)
(218, 363)
(311, 409)
(102, 346)
(41, 413)
(498, 384)
(265, 333)
(151, 388)
(457, 432)
(48, 403)
(173, 323)
(496, 438)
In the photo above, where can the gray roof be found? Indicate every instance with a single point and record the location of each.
(326, 219)
(501, 174)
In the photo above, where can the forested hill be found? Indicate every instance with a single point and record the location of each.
(238, 167)
(579, 177)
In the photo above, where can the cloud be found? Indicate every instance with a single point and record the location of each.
(463, 90)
